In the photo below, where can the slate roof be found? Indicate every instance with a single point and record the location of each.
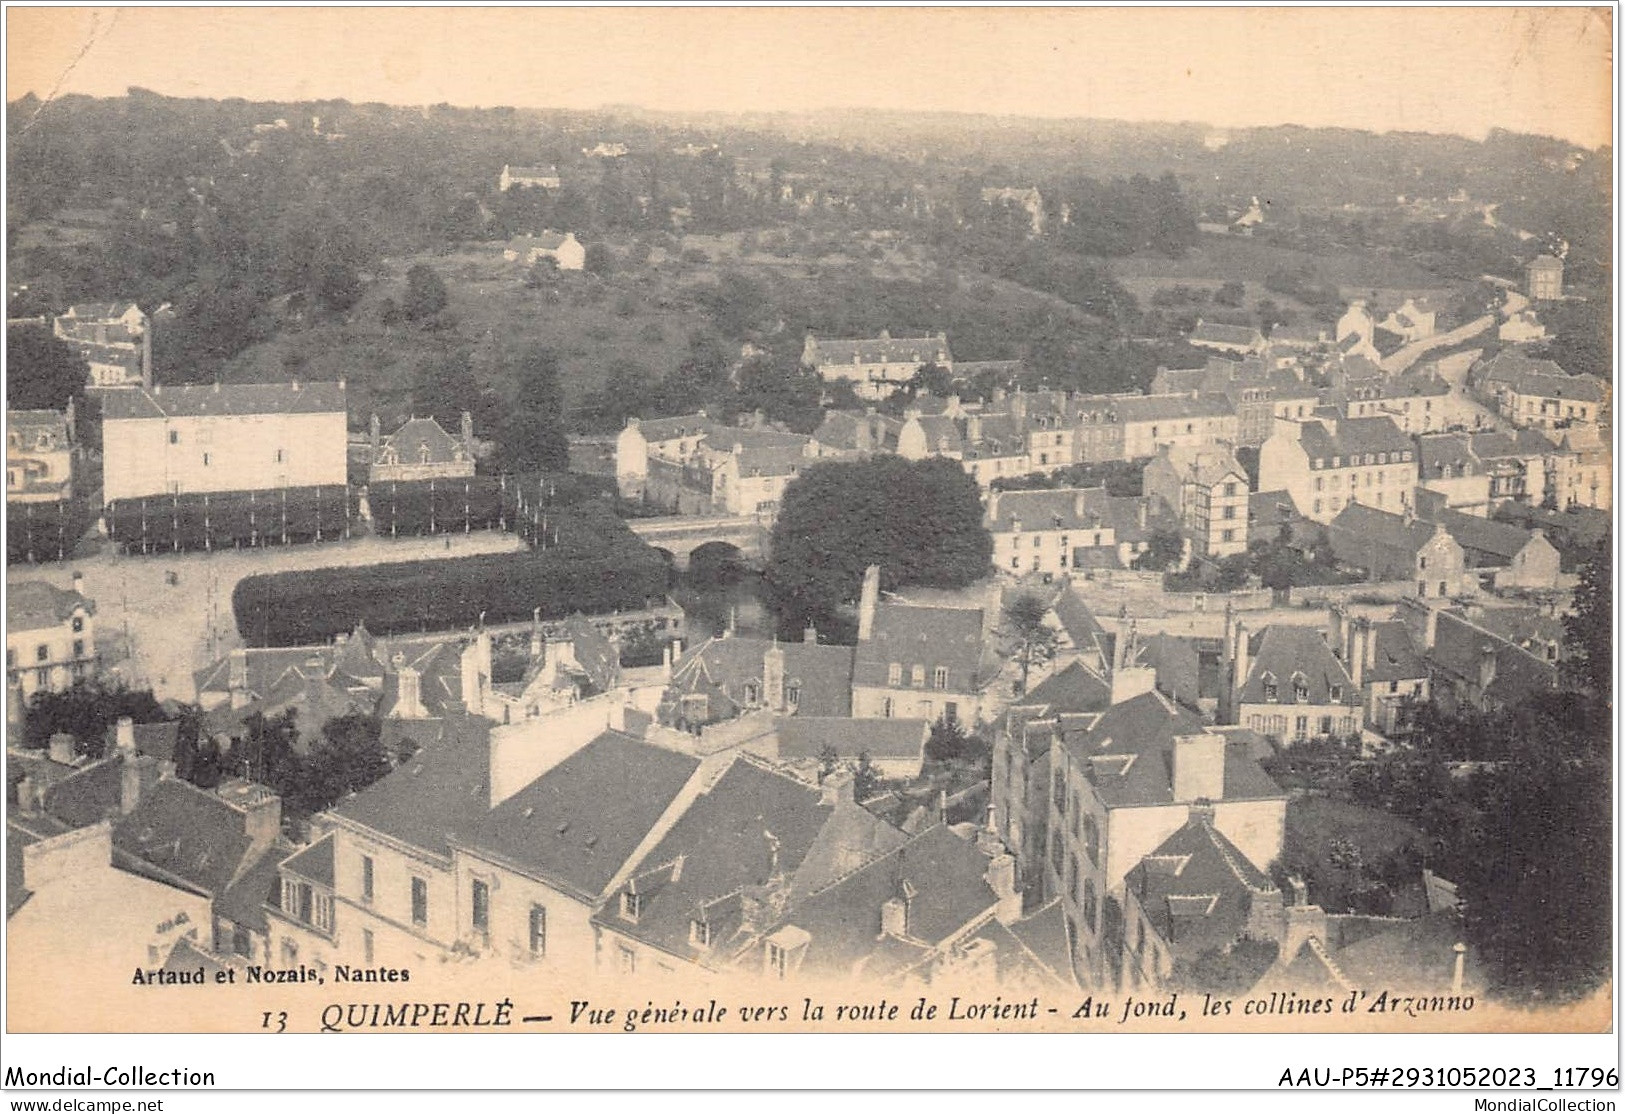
(1129, 753)
(314, 863)
(1074, 689)
(1394, 656)
(444, 789)
(1124, 513)
(1458, 650)
(1153, 408)
(1177, 663)
(823, 673)
(1540, 378)
(577, 824)
(1436, 451)
(1354, 436)
(1197, 889)
(594, 652)
(1043, 934)
(1284, 651)
(841, 430)
(243, 901)
(180, 832)
(29, 425)
(883, 350)
(235, 399)
(910, 635)
(89, 795)
(1080, 624)
(658, 430)
(541, 241)
(1208, 332)
(1360, 531)
(946, 878)
(807, 736)
(1204, 466)
(17, 838)
(1079, 508)
(36, 605)
(417, 434)
(718, 848)
(1492, 543)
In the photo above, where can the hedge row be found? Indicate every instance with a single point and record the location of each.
(406, 509)
(590, 562)
(45, 531)
(229, 519)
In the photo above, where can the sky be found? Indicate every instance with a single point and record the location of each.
(1443, 69)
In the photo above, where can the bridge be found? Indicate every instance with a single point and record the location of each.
(681, 535)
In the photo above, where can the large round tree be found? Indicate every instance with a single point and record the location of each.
(920, 521)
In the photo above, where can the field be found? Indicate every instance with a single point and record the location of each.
(1220, 259)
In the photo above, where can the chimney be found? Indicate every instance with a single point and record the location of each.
(1300, 890)
(665, 663)
(1001, 879)
(1130, 681)
(1241, 654)
(468, 433)
(773, 677)
(1357, 644)
(374, 436)
(993, 506)
(1142, 506)
(79, 582)
(868, 602)
(537, 642)
(262, 821)
(28, 798)
(809, 635)
(1486, 668)
(407, 702)
(973, 428)
(839, 788)
(1198, 768)
(1079, 504)
(894, 912)
(1302, 921)
(237, 676)
(62, 749)
(124, 736)
(1461, 968)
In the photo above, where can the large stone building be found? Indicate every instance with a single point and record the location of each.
(50, 638)
(1207, 489)
(239, 437)
(421, 450)
(1330, 461)
(878, 365)
(114, 339)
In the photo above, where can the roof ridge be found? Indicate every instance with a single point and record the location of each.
(1315, 943)
(1230, 862)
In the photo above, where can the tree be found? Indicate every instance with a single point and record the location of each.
(1231, 294)
(599, 260)
(443, 386)
(425, 292)
(1035, 640)
(865, 778)
(349, 758)
(85, 710)
(533, 434)
(42, 372)
(920, 521)
(1163, 551)
(1590, 626)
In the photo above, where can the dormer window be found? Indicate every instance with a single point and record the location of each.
(792, 697)
(1337, 694)
(940, 677)
(699, 933)
(1300, 689)
(631, 906)
(917, 676)
(753, 693)
(1271, 692)
(894, 673)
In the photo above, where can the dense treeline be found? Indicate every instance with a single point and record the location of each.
(585, 559)
(230, 519)
(45, 531)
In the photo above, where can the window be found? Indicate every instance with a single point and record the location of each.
(627, 959)
(1442, 589)
(1271, 692)
(926, 710)
(366, 879)
(481, 918)
(631, 905)
(1393, 686)
(1301, 727)
(778, 960)
(699, 933)
(42, 653)
(1227, 535)
(917, 676)
(1300, 689)
(792, 697)
(887, 708)
(174, 437)
(1325, 725)
(279, 456)
(420, 902)
(1421, 587)
(78, 623)
(894, 674)
(78, 647)
(1091, 839)
(538, 931)
(753, 693)
(1229, 512)
(1089, 904)
(205, 460)
(1038, 540)
(950, 711)
(1337, 694)
(1015, 563)
(939, 678)
(1229, 490)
